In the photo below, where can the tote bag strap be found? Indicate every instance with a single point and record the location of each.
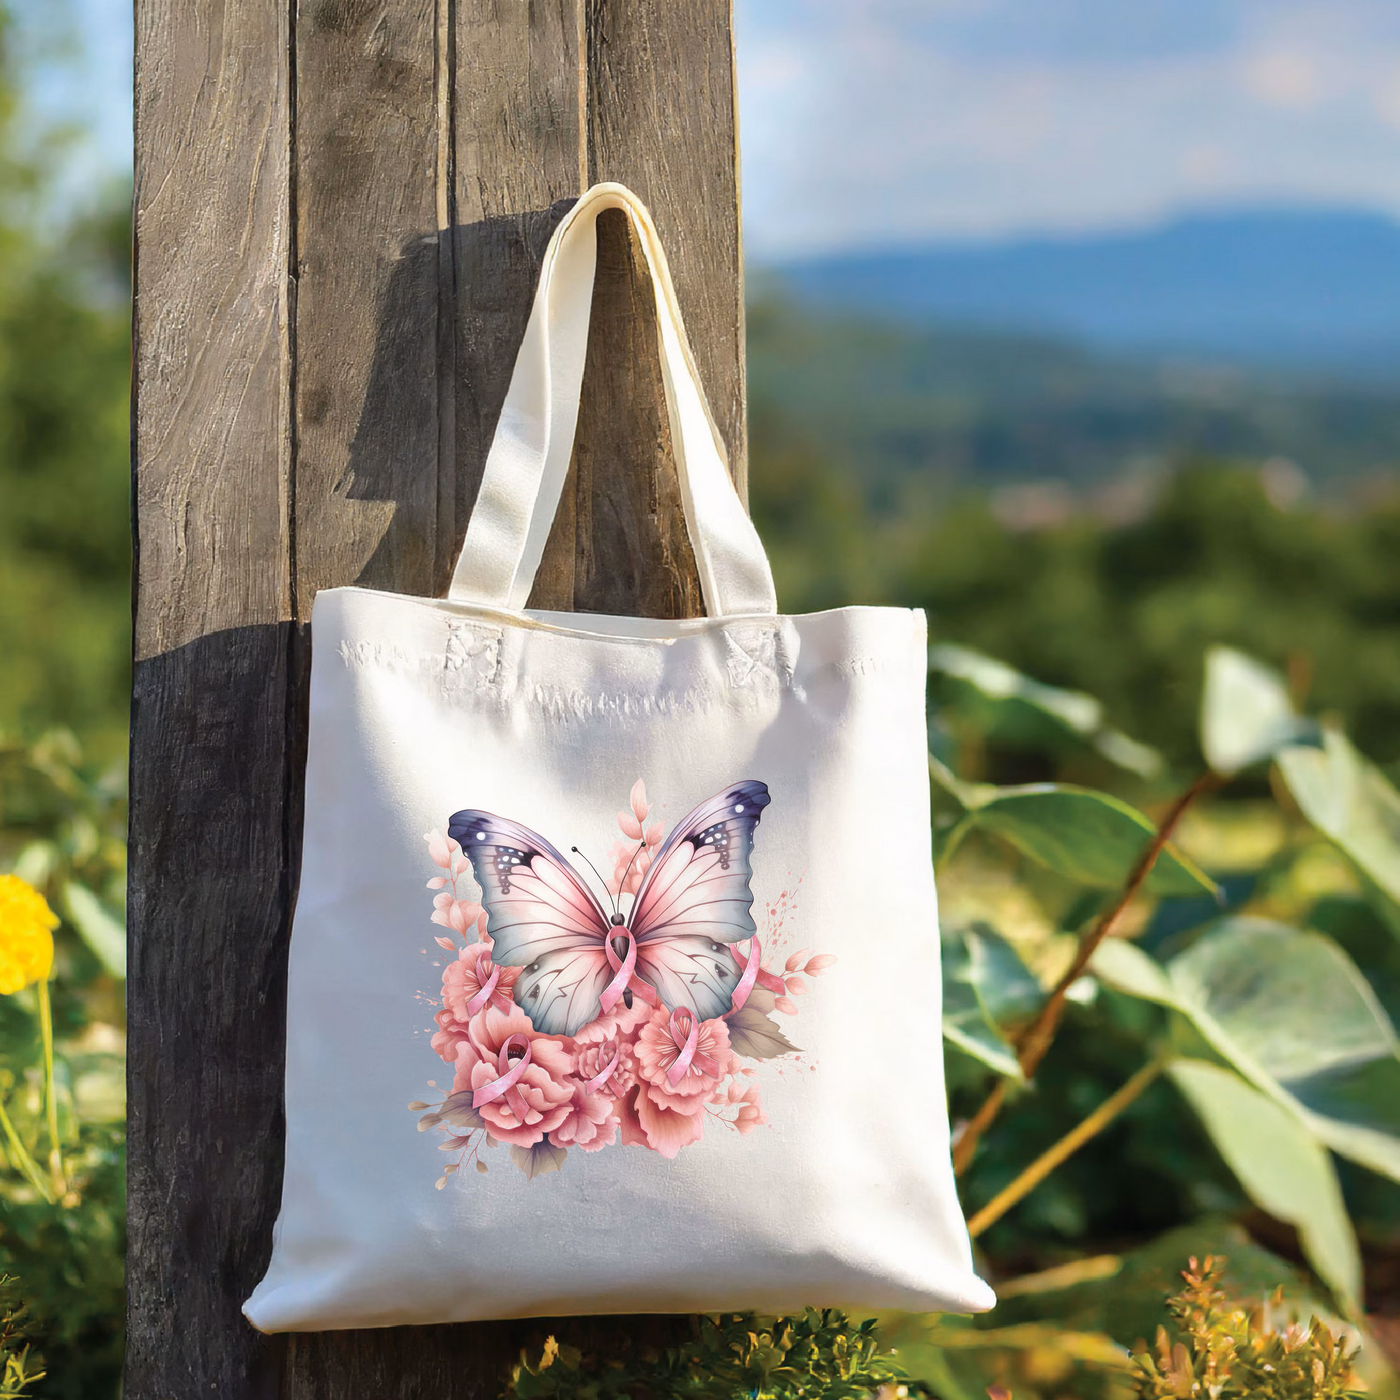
(530, 453)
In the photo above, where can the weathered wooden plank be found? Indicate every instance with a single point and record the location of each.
(211, 227)
(661, 120)
(366, 389)
(212, 809)
(519, 155)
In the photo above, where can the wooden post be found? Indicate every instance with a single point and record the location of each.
(340, 207)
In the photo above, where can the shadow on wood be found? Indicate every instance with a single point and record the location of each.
(619, 542)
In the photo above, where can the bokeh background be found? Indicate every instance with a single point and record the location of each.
(1075, 323)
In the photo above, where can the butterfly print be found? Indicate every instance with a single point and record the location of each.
(674, 944)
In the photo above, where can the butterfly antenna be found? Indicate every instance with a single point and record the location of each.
(601, 881)
(631, 863)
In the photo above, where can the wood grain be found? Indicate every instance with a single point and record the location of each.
(366, 388)
(661, 120)
(214, 751)
(341, 207)
(520, 158)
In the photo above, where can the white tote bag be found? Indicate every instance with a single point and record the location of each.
(679, 1057)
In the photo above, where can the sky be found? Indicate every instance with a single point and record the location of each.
(895, 122)
(888, 122)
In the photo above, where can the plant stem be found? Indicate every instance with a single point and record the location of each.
(27, 1165)
(1072, 1141)
(1035, 1040)
(50, 1101)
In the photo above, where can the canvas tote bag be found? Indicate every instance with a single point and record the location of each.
(661, 1033)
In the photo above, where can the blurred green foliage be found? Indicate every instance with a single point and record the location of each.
(918, 410)
(65, 547)
(63, 829)
(817, 1356)
(1124, 612)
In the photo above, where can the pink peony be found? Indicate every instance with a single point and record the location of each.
(464, 979)
(546, 1089)
(658, 1047)
(620, 1024)
(450, 1034)
(647, 1124)
(592, 1057)
(591, 1122)
(461, 982)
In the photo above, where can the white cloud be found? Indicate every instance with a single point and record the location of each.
(895, 121)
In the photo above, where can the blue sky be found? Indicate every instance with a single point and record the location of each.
(897, 121)
(870, 122)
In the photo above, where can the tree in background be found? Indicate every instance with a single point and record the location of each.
(65, 553)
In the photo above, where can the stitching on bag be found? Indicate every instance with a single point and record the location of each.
(759, 659)
(558, 703)
(390, 658)
(473, 653)
(861, 666)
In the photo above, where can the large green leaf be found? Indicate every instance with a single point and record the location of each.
(1280, 1165)
(1350, 801)
(1291, 1012)
(1246, 714)
(985, 986)
(1016, 707)
(101, 930)
(1090, 837)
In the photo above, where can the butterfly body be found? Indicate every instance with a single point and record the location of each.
(673, 945)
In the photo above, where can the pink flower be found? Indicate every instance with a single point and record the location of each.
(751, 1114)
(648, 1124)
(456, 914)
(461, 982)
(450, 1034)
(659, 1046)
(466, 978)
(592, 1058)
(620, 1024)
(591, 1123)
(545, 1091)
(440, 847)
(632, 857)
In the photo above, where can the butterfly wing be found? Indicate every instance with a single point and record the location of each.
(541, 918)
(695, 901)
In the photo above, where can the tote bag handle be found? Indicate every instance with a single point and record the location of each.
(534, 439)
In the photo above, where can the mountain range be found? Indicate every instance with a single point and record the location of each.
(1316, 290)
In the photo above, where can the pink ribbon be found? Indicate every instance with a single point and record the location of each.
(592, 1086)
(751, 971)
(686, 1042)
(626, 978)
(504, 1087)
(622, 968)
(484, 995)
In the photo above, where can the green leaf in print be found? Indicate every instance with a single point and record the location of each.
(755, 1036)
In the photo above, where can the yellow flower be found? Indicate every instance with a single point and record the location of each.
(26, 935)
